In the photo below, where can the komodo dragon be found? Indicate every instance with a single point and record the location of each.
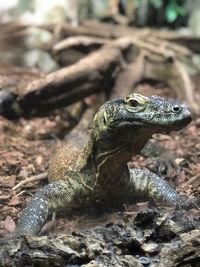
(97, 173)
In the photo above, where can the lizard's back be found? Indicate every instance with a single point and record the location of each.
(66, 159)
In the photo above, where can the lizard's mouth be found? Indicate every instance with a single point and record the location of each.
(175, 125)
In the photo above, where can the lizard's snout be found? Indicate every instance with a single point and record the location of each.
(184, 114)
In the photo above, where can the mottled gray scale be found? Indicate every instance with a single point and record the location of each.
(52, 197)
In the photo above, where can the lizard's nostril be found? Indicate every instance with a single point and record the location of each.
(176, 108)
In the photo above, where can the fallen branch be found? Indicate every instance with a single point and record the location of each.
(111, 31)
(94, 73)
(34, 178)
(80, 41)
(192, 180)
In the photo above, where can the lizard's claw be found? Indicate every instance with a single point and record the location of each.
(165, 165)
(189, 203)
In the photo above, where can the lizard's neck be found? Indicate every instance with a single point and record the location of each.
(109, 159)
(120, 149)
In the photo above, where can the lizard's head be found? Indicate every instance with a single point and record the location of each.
(137, 112)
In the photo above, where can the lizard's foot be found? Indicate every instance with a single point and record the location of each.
(162, 160)
(165, 165)
(49, 226)
(189, 203)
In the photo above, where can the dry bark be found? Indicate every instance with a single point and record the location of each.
(150, 236)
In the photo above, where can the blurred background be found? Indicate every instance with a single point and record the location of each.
(179, 15)
(171, 13)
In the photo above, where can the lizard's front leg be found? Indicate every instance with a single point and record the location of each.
(150, 186)
(52, 197)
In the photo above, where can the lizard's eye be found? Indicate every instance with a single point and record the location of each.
(176, 108)
(134, 103)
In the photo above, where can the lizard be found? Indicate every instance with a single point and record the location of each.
(96, 173)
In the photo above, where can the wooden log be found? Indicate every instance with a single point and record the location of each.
(94, 73)
(172, 241)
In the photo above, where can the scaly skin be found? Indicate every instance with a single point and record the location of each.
(81, 177)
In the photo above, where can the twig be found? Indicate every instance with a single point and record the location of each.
(192, 180)
(34, 178)
(80, 40)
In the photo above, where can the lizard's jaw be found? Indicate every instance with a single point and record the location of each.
(163, 122)
(176, 124)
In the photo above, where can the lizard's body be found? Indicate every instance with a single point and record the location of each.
(98, 172)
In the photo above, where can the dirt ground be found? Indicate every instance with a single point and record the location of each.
(27, 145)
